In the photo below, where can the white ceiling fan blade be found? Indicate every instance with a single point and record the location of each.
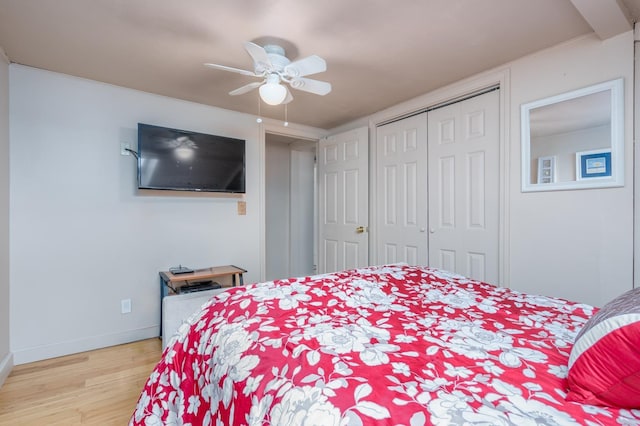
(226, 68)
(312, 86)
(259, 55)
(246, 88)
(310, 65)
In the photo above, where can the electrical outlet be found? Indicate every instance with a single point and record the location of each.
(124, 146)
(125, 306)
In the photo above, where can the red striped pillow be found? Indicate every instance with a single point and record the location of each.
(604, 366)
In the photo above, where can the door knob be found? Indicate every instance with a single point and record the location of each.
(361, 229)
(432, 230)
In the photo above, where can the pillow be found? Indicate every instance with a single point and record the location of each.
(604, 366)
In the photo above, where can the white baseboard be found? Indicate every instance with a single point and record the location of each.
(6, 365)
(82, 345)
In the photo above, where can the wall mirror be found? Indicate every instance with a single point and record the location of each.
(574, 140)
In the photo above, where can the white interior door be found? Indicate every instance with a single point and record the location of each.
(343, 180)
(463, 153)
(401, 197)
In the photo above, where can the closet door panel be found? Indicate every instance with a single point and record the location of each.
(401, 204)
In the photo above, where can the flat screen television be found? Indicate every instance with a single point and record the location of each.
(181, 160)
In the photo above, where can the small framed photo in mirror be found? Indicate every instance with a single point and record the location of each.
(593, 164)
(546, 169)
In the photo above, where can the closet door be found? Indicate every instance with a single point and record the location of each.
(464, 187)
(401, 181)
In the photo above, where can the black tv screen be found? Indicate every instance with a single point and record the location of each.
(189, 161)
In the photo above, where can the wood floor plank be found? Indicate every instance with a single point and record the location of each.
(93, 388)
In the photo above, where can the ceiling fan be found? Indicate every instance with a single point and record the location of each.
(272, 66)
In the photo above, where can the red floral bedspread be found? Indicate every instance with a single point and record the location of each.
(384, 345)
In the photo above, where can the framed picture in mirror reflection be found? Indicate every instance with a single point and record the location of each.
(593, 164)
(547, 169)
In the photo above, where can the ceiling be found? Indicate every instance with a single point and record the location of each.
(377, 55)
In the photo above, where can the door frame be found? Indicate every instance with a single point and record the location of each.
(292, 131)
(447, 94)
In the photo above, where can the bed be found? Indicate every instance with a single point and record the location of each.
(384, 345)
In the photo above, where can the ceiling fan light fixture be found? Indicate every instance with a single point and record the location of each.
(273, 93)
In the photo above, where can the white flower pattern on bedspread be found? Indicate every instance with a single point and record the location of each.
(390, 345)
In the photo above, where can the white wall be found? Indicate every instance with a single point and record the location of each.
(636, 121)
(278, 184)
(82, 236)
(6, 359)
(302, 212)
(573, 244)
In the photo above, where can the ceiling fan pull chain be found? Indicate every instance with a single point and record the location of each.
(286, 120)
(259, 119)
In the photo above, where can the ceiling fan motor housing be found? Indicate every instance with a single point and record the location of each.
(277, 58)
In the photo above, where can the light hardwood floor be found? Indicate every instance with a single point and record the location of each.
(99, 387)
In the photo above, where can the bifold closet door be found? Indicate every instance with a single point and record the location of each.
(463, 153)
(401, 181)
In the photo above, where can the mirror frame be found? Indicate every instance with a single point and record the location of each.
(617, 139)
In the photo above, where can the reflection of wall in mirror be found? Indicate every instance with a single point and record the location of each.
(564, 147)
